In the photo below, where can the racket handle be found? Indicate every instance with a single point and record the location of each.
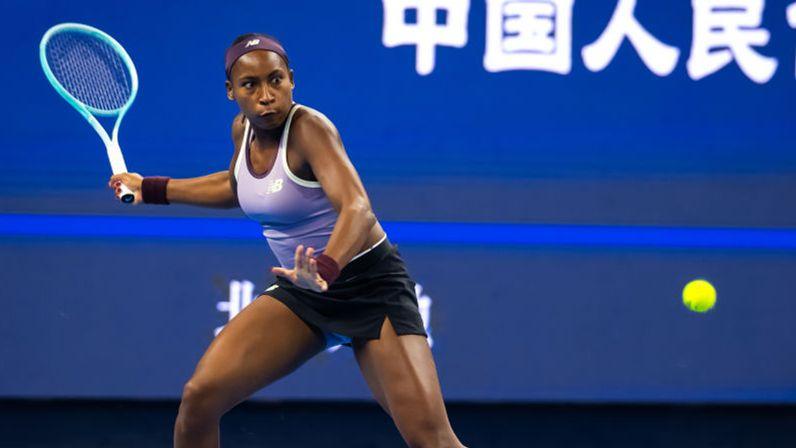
(126, 195)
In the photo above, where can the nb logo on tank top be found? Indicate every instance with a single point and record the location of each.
(274, 186)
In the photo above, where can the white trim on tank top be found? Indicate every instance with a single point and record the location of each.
(282, 153)
(242, 150)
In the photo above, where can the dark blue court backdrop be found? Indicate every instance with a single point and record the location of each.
(551, 210)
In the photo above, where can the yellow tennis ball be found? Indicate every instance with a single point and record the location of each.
(699, 296)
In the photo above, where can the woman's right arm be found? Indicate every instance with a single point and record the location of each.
(216, 190)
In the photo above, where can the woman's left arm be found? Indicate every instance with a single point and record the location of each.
(320, 144)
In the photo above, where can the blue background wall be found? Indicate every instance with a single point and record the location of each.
(617, 187)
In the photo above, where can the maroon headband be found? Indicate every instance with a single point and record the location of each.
(254, 42)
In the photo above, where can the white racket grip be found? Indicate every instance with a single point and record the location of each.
(115, 158)
(118, 166)
(126, 195)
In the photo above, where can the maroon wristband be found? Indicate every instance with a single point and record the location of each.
(327, 268)
(153, 190)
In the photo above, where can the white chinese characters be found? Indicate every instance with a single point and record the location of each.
(725, 30)
(425, 24)
(529, 35)
(657, 56)
(241, 294)
(424, 303)
(791, 13)
(537, 35)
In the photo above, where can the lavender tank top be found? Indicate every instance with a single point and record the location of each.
(291, 210)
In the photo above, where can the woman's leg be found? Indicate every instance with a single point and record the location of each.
(263, 343)
(401, 373)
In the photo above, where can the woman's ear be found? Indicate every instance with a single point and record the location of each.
(228, 85)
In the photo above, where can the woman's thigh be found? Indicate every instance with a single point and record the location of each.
(401, 372)
(263, 343)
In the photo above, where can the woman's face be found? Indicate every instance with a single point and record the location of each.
(262, 85)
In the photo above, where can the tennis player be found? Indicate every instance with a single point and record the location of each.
(340, 279)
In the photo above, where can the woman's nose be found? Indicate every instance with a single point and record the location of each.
(266, 96)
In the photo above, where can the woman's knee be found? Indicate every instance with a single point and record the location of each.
(201, 401)
(420, 432)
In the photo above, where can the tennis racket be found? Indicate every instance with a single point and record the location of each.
(94, 74)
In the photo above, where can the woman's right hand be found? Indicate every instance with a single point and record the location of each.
(305, 271)
(131, 180)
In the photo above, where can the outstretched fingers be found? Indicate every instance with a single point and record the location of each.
(313, 268)
(305, 272)
(308, 260)
(315, 277)
(282, 272)
(299, 257)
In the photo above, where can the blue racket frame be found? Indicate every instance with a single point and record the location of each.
(90, 113)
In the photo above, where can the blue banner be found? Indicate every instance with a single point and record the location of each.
(554, 172)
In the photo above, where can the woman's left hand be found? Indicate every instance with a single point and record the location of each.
(305, 272)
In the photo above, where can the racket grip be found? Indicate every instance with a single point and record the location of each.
(126, 195)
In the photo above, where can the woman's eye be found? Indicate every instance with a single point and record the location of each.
(276, 80)
(247, 85)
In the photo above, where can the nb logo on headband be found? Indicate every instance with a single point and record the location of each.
(252, 43)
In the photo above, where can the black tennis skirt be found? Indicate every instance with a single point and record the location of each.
(370, 288)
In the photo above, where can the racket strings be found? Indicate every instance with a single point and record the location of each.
(90, 70)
